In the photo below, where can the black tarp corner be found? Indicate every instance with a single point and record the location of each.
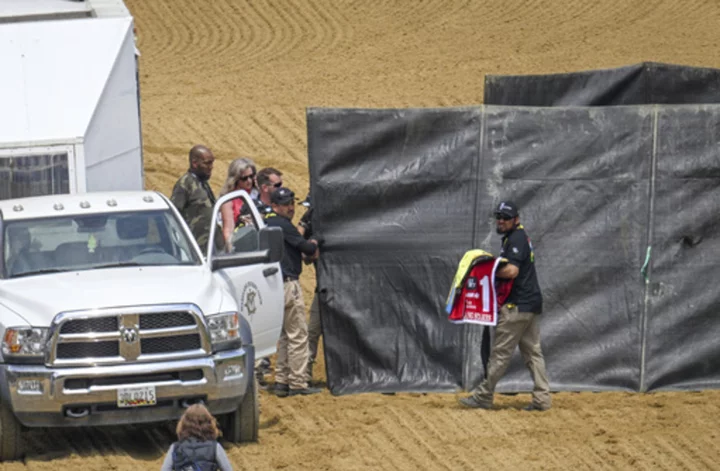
(639, 84)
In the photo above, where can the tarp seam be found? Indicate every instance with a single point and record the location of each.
(648, 273)
(469, 336)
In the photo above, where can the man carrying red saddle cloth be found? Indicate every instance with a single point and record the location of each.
(476, 294)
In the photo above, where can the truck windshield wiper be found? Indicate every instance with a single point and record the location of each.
(136, 264)
(119, 264)
(38, 272)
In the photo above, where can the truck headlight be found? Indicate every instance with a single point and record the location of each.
(224, 331)
(25, 343)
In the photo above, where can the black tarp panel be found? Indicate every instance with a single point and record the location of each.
(581, 178)
(639, 84)
(394, 212)
(683, 329)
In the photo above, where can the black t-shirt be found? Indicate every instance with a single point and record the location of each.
(306, 223)
(263, 209)
(518, 249)
(295, 245)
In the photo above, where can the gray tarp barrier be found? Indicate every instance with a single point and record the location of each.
(683, 327)
(391, 207)
(581, 178)
(639, 84)
(400, 195)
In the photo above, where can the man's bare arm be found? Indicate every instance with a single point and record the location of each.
(508, 272)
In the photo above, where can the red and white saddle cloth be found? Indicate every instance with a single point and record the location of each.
(480, 294)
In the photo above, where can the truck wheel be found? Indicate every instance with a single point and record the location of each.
(242, 424)
(10, 435)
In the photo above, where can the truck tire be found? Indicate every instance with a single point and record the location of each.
(10, 435)
(242, 424)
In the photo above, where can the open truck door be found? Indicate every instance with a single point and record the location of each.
(249, 264)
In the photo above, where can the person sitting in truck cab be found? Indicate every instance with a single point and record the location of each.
(19, 242)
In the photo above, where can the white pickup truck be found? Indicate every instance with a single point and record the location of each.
(110, 314)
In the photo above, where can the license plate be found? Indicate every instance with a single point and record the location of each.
(136, 397)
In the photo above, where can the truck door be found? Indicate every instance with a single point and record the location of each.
(256, 286)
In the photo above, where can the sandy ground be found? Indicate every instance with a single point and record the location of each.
(238, 75)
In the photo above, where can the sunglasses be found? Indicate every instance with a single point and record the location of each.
(246, 177)
(277, 185)
(502, 217)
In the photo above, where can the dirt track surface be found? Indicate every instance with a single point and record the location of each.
(666, 431)
(238, 76)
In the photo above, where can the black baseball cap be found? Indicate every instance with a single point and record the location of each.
(306, 202)
(282, 196)
(506, 208)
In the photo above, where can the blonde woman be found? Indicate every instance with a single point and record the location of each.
(197, 446)
(241, 176)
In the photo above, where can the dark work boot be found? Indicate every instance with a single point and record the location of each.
(281, 390)
(304, 391)
(473, 403)
(535, 408)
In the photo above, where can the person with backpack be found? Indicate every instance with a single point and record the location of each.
(197, 448)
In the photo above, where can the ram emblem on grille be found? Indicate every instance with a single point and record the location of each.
(129, 334)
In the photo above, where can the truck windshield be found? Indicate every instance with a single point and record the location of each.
(51, 245)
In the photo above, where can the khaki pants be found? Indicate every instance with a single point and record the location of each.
(314, 332)
(292, 351)
(519, 329)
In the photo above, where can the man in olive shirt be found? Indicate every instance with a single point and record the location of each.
(517, 324)
(193, 196)
(292, 356)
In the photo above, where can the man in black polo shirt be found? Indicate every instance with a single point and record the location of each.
(292, 354)
(517, 323)
(305, 228)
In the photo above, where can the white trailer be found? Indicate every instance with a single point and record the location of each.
(69, 100)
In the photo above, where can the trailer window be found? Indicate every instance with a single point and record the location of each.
(34, 175)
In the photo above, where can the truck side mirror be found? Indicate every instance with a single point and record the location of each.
(272, 240)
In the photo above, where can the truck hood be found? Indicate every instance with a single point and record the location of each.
(38, 299)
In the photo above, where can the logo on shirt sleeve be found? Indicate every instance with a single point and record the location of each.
(532, 251)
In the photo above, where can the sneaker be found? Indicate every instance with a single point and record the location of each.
(304, 392)
(473, 403)
(535, 408)
(281, 390)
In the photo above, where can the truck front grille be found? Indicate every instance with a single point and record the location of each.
(83, 326)
(168, 319)
(88, 350)
(127, 335)
(169, 377)
(170, 344)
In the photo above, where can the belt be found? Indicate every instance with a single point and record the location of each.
(287, 278)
